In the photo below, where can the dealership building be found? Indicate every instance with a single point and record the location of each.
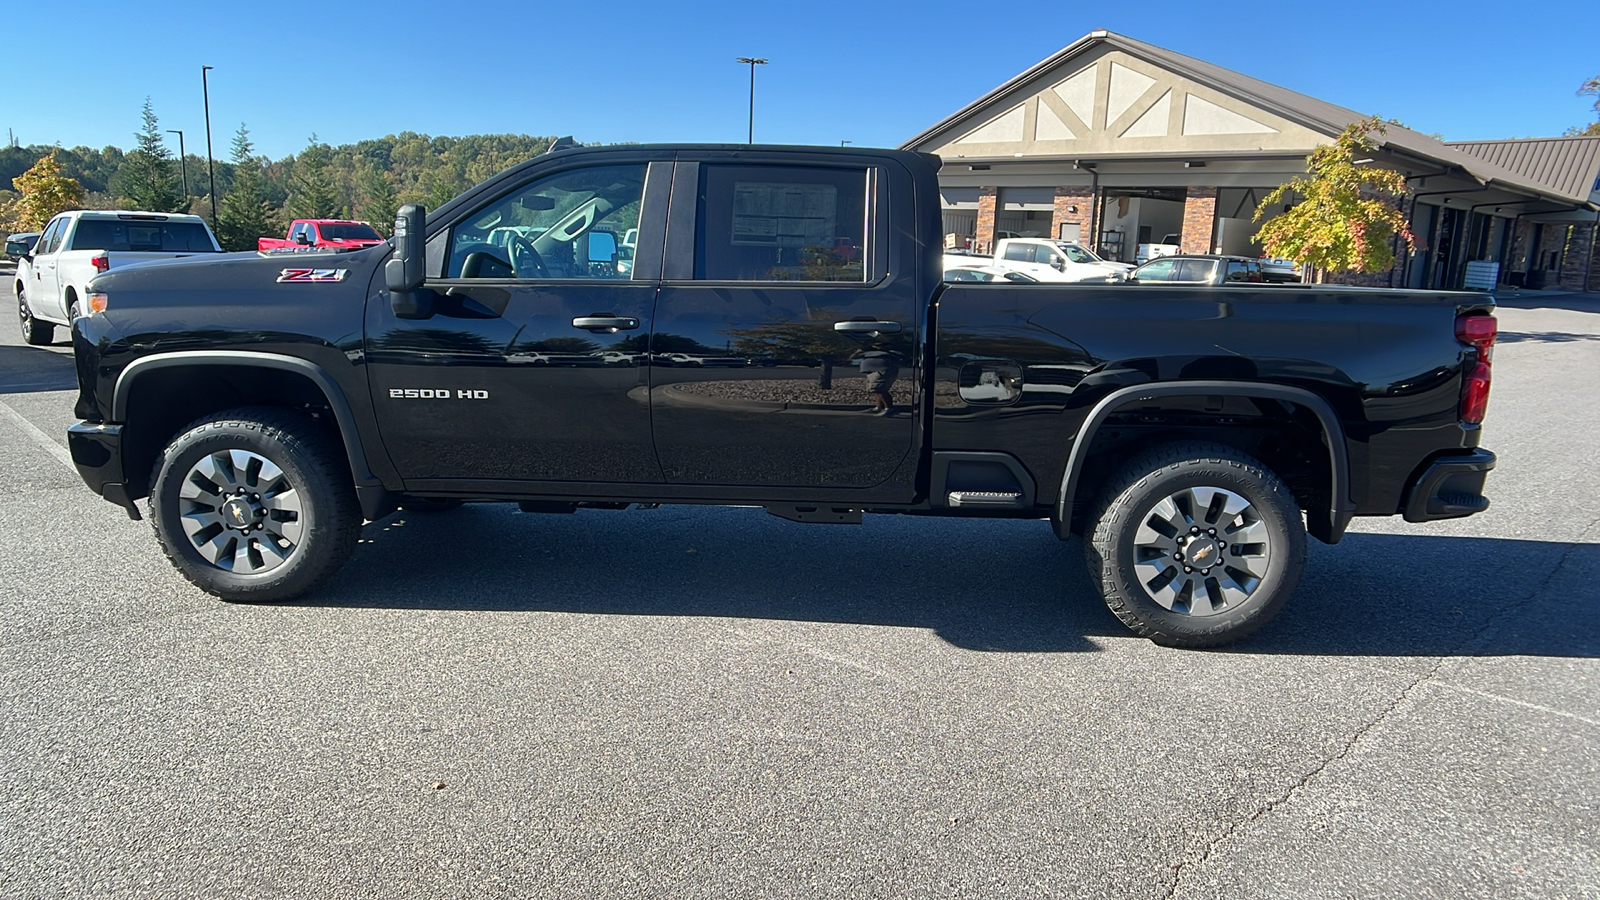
(1114, 143)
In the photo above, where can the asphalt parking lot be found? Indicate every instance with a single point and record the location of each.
(694, 702)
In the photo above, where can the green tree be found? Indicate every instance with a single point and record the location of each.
(1590, 88)
(313, 195)
(246, 214)
(379, 202)
(147, 179)
(1348, 212)
(42, 191)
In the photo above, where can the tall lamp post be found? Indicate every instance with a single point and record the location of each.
(753, 61)
(211, 172)
(183, 166)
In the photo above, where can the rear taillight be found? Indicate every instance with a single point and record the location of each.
(101, 263)
(1478, 332)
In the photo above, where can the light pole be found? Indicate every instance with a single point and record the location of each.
(753, 61)
(183, 166)
(211, 172)
(845, 143)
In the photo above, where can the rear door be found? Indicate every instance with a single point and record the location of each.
(789, 268)
(529, 369)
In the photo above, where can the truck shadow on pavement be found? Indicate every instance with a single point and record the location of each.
(1000, 586)
(30, 369)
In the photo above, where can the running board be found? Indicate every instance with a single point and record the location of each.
(985, 499)
(822, 515)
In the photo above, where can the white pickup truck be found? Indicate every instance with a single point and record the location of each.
(1048, 260)
(52, 282)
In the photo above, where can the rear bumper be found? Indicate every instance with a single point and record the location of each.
(97, 452)
(1449, 487)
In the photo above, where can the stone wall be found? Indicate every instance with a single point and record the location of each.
(1199, 219)
(1074, 205)
(983, 238)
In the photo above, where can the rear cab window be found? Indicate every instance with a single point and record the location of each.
(782, 223)
(141, 236)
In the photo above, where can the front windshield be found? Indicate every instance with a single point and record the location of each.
(1078, 254)
(349, 231)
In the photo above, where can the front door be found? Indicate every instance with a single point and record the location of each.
(532, 365)
(784, 349)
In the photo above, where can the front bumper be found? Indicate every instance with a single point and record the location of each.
(97, 452)
(1449, 487)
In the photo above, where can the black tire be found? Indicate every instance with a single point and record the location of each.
(310, 514)
(1242, 584)
(34, 331)
(430, 504)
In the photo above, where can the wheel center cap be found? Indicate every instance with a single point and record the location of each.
(1204, 552)
(239, 513)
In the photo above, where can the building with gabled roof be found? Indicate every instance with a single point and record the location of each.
(1118, 143)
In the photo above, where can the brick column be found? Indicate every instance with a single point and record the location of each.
(983, 235)
(1199, 219)
(1074, 205)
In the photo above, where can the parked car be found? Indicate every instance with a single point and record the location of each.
(1195, 268)
(1194, 452)
(324, 234)
(1279, 270)
(20, 244)
(1048, 260)
(1168, 246)
(52, 280)
(696, 361)
(987, 273)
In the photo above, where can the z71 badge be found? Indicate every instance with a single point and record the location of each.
(312, 275)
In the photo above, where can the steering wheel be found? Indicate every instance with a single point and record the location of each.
(525, 261)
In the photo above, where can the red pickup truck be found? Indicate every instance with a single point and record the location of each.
(328, 234)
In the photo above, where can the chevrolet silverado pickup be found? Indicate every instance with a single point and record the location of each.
(324, 234)
(52, 278)
(267, 405)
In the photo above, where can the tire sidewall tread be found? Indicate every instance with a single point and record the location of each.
(305, 451)
(1157, 473)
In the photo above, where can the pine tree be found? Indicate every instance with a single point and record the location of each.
(246, 213)
(147, 180)
(314, 196)
(378, 199)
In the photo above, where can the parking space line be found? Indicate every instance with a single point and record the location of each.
(1485, 694)
(39, 437)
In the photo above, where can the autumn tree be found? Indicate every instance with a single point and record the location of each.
(42, 191)
(313, 195)
(1348, 212)
(147, 179)
(246, 214)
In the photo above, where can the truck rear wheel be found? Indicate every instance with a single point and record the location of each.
(1196, 545)
(255, 505)
(34, 331)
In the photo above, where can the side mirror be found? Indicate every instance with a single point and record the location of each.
(1057, 264)
(403, 273)
(301, 237)
(602, 247)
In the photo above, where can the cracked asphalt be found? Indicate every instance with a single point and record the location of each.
(695, 702)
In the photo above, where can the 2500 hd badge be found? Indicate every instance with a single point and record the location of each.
(435, 394)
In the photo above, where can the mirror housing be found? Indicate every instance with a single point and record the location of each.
(602, 247)
(302, 238)
(404, 272)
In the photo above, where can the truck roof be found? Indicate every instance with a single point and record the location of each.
(133, 214)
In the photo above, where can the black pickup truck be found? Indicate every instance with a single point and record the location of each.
(768, 326)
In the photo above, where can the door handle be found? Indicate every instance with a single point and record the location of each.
(857, 326)
(606, 323)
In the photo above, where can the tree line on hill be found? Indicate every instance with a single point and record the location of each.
(257, 195)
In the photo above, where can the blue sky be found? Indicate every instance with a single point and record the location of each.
(873, 73)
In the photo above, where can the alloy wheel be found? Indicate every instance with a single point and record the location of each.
(1201, 551)
(240, 512)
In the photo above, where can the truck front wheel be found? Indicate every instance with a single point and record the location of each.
(34, 331)
(1196, 545)
(255, 505)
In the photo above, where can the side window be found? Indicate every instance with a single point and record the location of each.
(298, 229)
(1194, 271)
(1020, 252)
(51, 239)
(1046, 255)
(1156, 270)
(781, 223)
(574, 224)
(1238, 271)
